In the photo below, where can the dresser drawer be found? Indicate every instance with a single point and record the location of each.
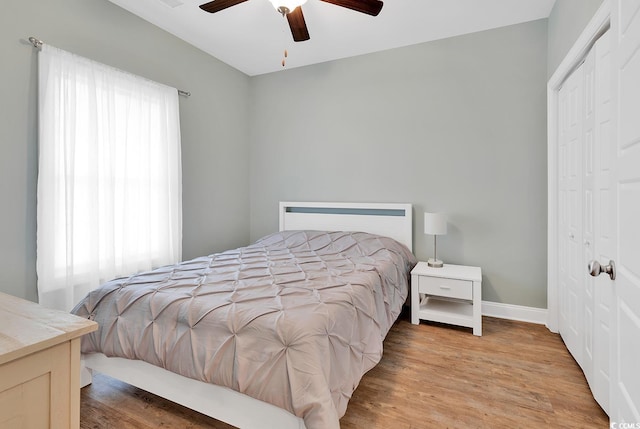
(451, 288)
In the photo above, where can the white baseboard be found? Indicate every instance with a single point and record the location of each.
(514, 312)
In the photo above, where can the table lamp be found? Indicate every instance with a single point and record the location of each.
(435, 224)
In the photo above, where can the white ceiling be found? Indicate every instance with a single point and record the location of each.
(252, 36)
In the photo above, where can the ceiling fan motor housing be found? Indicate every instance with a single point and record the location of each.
(287, 6)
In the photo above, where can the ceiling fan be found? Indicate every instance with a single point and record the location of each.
(293, 11)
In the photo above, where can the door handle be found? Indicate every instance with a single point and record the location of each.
(595, 269)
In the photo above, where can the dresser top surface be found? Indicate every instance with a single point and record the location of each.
(27, 327)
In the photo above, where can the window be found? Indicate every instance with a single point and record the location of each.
(109, 180)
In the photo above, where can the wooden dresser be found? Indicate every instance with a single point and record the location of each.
(39, 365)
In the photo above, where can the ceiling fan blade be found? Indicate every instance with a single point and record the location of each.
(218, 5)
(370, 7)
(298, 25)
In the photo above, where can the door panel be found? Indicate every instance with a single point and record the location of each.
(588, 225)
(599, 245)
(585, 188)
(570, 225)
(625, 376)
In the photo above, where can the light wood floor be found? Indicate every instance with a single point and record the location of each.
(517, 375)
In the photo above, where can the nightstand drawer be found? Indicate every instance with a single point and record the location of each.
(451, 288)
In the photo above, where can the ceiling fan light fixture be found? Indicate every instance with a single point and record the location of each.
(286, 6)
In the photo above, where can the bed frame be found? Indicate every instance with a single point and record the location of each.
(390, 220)
(222, 403)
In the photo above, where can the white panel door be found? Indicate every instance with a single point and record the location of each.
(625, 211)
(598, 234)
(571, 271)
(589, 178)
(585, 230)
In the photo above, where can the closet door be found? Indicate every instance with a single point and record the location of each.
(585, 222)
(588, 179)
(571, 268)
(625, 211)
(598, 231)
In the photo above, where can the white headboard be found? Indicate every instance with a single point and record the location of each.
(390, 220)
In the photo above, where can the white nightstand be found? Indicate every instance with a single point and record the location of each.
(452, 294)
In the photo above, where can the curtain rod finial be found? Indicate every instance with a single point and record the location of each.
(35, 42)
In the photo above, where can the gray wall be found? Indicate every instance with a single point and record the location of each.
(214, 132)
(457, 125)
(567, 20)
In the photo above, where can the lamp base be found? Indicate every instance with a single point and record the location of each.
(435, 263)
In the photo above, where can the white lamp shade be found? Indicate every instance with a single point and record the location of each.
(435, 223)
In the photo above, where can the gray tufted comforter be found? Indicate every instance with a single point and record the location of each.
(295, 319)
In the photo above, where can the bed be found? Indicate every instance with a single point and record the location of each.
(275, 334)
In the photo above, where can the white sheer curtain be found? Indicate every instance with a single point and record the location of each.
(109, 179)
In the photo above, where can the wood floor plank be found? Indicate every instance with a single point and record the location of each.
(431, 376)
